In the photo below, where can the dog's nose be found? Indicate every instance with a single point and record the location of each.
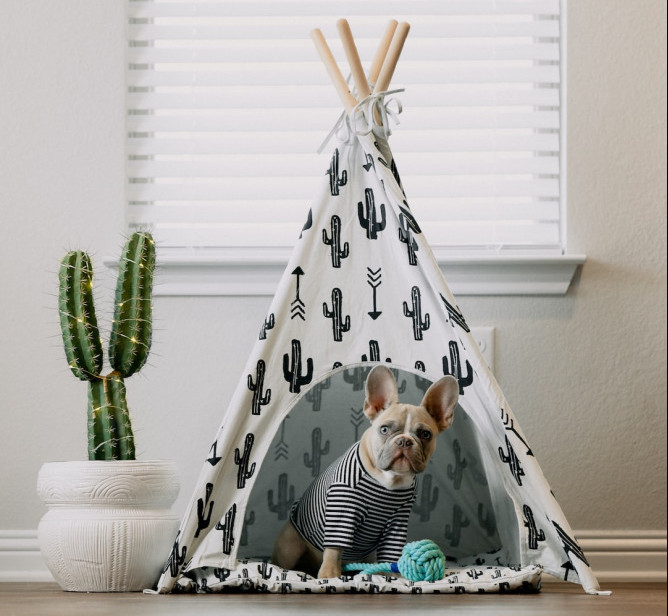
(404, 442)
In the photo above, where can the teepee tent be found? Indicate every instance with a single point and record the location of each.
(361, 287)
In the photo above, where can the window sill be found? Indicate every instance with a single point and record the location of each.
(256, 272)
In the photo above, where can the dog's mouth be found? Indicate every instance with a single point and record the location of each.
(402, 461)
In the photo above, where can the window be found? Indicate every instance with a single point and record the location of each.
(227, 103)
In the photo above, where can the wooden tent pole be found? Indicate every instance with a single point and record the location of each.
(359, 78)
(392, 57)
(381, 52)
(332, 67)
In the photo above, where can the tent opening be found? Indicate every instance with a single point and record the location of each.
(454, 507)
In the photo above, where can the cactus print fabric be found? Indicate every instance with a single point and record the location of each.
(362, 286)
(261, 576)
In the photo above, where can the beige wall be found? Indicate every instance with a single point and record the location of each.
(585, 373)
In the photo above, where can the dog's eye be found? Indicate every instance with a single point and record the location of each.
(425, 435)
(384, 430)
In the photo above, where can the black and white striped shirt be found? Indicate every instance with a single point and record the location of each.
(347, 508)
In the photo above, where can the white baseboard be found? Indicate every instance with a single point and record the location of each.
(20, 558)
(625, 555)
(615, 556)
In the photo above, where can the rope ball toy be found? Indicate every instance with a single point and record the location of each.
(421, 561)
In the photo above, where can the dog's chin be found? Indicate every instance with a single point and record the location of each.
(402, 464)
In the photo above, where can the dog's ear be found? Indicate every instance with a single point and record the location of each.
(440, 401)
(381, 391)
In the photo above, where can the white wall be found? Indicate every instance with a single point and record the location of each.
(585, 373)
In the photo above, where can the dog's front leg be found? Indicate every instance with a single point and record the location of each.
(331, 563)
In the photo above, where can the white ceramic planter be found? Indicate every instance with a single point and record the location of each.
(109, 527)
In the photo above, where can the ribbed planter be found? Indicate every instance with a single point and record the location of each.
(109, 526)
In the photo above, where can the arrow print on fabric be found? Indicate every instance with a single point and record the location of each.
(374, 281)
(369, 162)
(281, 448)
(298, 306)
(214, 459)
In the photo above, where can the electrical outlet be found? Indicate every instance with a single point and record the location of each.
(484, 336)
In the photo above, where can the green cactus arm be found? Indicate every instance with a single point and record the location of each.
(110, 434)
(131, 333)
(78, 323)
(100, 447)
(115, 388)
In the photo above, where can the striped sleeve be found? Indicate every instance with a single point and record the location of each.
(343, 514)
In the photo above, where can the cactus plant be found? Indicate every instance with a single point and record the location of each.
(110, 435)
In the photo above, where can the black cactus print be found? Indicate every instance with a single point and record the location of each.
(292, 368)
(177, 557)
(374, 353)
(486, 520)
(512, 461)
(265, 570)
(260, 399)
(367, 214)
(336, 179)
(356, 377)
(406, 237)
(268, 324)
(454, 368)
(456, 472)
(534, 535)
(241, 460)
(428, 499)
(340, 324)
(420, 324)
(204, 519)
(314, 395)
(453, 532)
(284, 498)
(337, 251)
(227, 526)
(315, 459)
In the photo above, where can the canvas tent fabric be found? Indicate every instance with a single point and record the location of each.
(363, 286)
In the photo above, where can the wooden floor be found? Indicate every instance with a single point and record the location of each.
(554, 600)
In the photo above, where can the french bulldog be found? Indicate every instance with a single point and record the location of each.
(362, 501)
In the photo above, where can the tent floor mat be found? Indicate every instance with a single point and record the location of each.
(261, 576)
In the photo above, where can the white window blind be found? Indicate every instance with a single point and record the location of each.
(227, 103)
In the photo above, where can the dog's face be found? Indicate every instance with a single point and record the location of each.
(402, 437)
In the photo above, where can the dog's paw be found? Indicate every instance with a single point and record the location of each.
(327, 571)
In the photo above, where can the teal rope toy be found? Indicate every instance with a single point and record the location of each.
(421, 561)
